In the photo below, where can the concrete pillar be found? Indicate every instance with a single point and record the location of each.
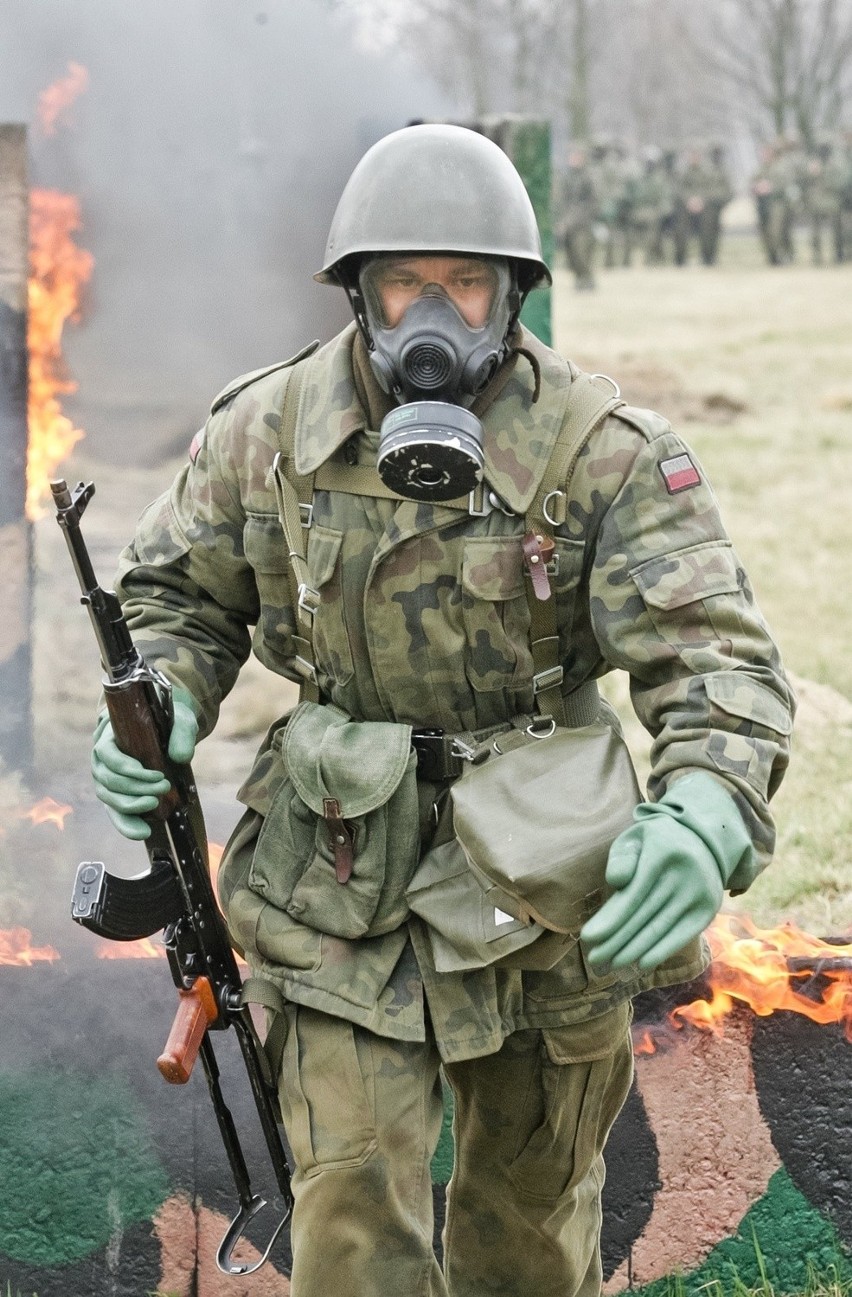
(15, 530)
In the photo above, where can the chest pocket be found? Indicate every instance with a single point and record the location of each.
(495, 613)
(332, 645)
(266, 551)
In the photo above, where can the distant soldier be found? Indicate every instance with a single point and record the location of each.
(653, 201)
(605, 172)
(822, 195)
(776, 191)
(843, 227)
(691, 192)
(720, 191)
(577, 212)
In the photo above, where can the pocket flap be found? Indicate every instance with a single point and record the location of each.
(323, 549)
(265, 544)
(739, 695)
(360, 763)
(492, 567)
(674, 580)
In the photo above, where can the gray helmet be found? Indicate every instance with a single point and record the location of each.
(434, 188)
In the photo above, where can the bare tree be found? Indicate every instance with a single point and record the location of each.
(788, 61)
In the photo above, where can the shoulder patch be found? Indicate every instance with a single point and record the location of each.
(245, 380)
(648, 422)
(679, 473)
(196, 444)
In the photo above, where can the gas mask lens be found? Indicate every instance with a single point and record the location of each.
(438, 328)
(391, 284)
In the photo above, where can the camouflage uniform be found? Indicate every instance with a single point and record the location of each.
(577, 208)
(424, 619)
(651, 211)
(703, 191)
(776, 187)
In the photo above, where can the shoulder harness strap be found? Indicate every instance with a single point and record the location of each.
(591, 398)
(294, 495)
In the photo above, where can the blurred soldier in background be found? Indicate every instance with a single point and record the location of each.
(703, 191)
(606, 169)
(843, 225)
(577, 210)
(776, 192)
(822, 195)
(651, 208)
(691, 192)
(720, 191)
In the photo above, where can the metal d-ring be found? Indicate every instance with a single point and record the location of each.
(554, 522)
(545, 734)
(609, 380)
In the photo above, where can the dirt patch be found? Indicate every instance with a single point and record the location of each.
(652, 387)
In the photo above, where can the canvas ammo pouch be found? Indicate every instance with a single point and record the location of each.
(534, 814)
(341, 837)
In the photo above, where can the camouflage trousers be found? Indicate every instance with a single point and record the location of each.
(363, 1116)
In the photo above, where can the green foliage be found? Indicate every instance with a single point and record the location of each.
(784, 1247)
(76, 1181)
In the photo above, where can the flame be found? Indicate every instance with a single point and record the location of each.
(47, 811)
(768, 970)
(58, 271)
(57, 98)
(16, 949)
(143, 949)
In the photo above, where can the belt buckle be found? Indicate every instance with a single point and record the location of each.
(429, 746)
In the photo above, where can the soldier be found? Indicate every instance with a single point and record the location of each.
(822, 196)
(652, 207)
(719, 192)
(776, 192)
(406, 617)
(842, 179)
(577, 210)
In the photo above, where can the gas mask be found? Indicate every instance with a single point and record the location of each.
(435, 363)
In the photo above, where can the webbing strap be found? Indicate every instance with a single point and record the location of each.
(292, 493)
(362, 479)
(257, 990)
(586, 406)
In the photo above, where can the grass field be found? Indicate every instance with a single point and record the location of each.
(753, 365)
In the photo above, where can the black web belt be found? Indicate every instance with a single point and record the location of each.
(442, 756)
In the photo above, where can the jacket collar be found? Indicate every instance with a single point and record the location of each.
(520, 426)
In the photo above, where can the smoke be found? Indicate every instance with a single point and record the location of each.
(208, 152)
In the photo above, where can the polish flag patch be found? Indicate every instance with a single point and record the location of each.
(679, 474)
(195, 445)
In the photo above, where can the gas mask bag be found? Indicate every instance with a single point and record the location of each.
(435, 362)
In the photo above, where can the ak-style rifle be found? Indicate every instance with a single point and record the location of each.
(175, 895)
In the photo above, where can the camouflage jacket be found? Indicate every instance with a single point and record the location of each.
(424, 619)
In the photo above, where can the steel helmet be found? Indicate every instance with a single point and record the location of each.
(435, 188)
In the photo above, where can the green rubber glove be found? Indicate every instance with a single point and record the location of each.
(122, 783)
(669, 871)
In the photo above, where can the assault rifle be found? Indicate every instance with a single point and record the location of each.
(175, 894)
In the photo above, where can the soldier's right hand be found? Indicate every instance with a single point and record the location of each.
(124, 785)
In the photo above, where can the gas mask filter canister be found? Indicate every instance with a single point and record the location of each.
(435, 363)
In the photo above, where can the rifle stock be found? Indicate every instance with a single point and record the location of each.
(175, 895)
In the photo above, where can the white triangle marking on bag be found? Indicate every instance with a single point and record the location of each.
(500, 918)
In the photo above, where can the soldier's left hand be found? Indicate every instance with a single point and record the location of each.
(669, 871)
